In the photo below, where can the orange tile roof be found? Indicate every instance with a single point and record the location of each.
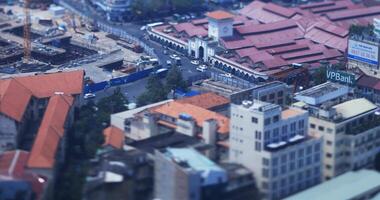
(15, 93)
(50, 132)
(291, 112)
(174, 109)
(219, 15)
(14, 98)
(113, 137)
(207, 100)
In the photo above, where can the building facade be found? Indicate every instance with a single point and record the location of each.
(274, 144)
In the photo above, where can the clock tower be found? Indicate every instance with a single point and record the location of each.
(220, 24)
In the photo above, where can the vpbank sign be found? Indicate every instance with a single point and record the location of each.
(340, 77)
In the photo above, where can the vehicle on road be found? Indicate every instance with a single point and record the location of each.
(195, 62)
(227, 75)
(169, 63)
(201, 68)
(173, 56)
(166, 52)
(178, 61)
(89, 96)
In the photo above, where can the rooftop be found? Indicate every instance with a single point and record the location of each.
(194, 160)
(220, 15)
(347, 186)
(163, 141)
(113, 137)
(207, 100)
(50, 132)
(15, 93)
(354, 108)
(175, 109)
(291, 112)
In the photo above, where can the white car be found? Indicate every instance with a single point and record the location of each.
(227, 75)
(173, 56)
(195, 62)
(201, 68)
(89, 96)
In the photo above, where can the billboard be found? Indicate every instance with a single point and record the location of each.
(340, 77)
(363, 52)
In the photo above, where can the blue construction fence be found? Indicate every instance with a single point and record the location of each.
(95, 87)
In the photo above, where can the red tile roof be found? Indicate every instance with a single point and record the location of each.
(15, 93)
(113, 137)
(14, 98)
(369, 82)
(207, 100)
(279, 10)
(50, 132)
(219, 15)
(353, 13)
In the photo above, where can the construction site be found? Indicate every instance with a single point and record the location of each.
(53, 39)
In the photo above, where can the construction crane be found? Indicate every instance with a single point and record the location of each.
(27, 42)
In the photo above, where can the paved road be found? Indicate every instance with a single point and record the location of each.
(136, 88)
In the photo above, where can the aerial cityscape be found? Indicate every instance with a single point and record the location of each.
(189, 99)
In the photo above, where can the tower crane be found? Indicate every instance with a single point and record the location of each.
(27, 43)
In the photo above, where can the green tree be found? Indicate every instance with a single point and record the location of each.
(155, 92)
(174, 80)
(319, 76)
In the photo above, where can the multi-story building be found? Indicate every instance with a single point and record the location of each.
(362, 184)
(275, 92)
(274, 144)
(368, 87)
(349, 127)
(186, 174)
(35, 113)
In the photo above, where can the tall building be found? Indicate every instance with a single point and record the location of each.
(186, 174)
(350, 127)
(274, 144)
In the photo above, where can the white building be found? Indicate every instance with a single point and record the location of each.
(349, 127)
(274, 144)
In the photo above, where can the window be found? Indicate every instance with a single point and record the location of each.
(266, 161)
(274, 185)
(274, 172)
(280, 101)
(271, 96)
(280, 93)
(284, 129)
(292, 155)
(264, 98)
(300, 163)
(312, 126)
(300, 152)
(328, 142)
(317, 157)
(309, 149)
(275, 132)
(300, 176)
(321, 128)
(267, 121)
(266, 135)
(308, 160)
(317, 147)
(257, 146)
(274, 161)
(254, 120)
(292, 166)
(265, 173)
(293, 126)
(329, 130)
(329, 155)
(265, 185)
(276, 118)
(328, 166)
(317, 170)
(258, 135)
(283, 158)
(283, 169)
(301, 124)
